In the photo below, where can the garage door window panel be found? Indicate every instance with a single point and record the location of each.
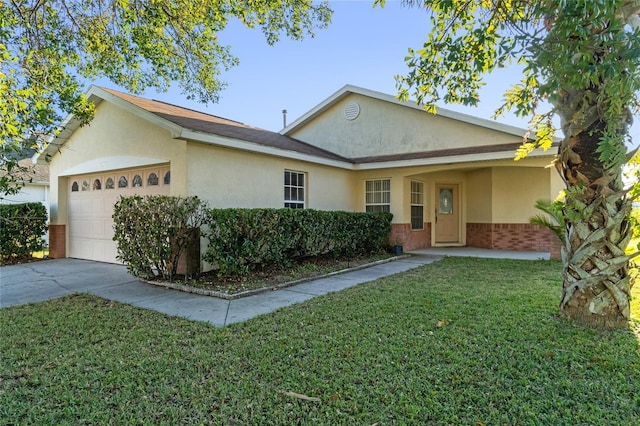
(123, 182)
(74, 187)
(109, 184)
(152, 180)
(137, 181)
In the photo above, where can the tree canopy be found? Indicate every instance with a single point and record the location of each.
(48, 48)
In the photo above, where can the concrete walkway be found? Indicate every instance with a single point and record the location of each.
(39, 281)
(481, 252)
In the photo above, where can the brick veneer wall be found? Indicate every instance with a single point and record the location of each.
(512, 236)
(500, 236)
(410, 240)
(57, 241)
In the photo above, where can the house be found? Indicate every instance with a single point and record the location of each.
(449, 179)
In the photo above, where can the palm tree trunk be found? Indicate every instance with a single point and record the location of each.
(596, 285)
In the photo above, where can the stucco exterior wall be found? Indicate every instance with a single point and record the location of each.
(115, 139)
(231, 178)
(515, 191)
(479, 194)
(383, 128)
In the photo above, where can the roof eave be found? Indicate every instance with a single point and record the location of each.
(453, 159)
(351, 89)
(226, 142)
(96, 95)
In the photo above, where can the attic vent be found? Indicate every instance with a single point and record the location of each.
(351, 111)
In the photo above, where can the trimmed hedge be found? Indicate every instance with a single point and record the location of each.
(153, 231)
(21, 229)
(244, 240)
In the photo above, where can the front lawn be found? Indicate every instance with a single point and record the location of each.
(458, 342)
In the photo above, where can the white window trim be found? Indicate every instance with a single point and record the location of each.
(377, 204)
(304, 189)
(412, 204)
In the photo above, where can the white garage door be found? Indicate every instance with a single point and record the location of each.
(91, 200)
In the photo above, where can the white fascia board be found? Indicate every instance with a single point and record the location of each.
(96, 95)
(261, 149)
(173, 128)
(454, 159)
(344, 91)
(465, 118)
(54, 143)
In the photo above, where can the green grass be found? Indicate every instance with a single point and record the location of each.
(458, 342)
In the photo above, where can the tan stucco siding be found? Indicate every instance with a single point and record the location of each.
(515, 191)
(232, 178)
(479, 194)
(383, 128)
(115, 139)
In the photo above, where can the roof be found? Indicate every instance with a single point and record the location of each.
(29, 172)
(185, 123)
(349, 89)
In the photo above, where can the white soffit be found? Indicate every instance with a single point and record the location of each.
(454, 159)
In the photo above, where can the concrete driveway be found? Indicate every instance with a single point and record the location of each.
(40, 281)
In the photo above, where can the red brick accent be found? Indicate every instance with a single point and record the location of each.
(511, 236)
(401, 233)
(479, 235)
(57, 241)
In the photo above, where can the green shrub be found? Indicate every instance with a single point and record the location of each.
(244, 240)
(21, 229)
(153, 231)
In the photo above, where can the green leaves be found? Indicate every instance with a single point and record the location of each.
(245, 240)
(21, 229)
(48, 49)
(152, 232)
(468, 39)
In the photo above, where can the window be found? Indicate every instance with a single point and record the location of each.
(123, 182)
(137, 181)
(109, 184)
(294, 189)
(417, 205)
(74, 187)
(97, 185)
(167, 178)
(85, 185)
(378, 195)
(152, 180)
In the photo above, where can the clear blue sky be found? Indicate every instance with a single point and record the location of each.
(363, 46)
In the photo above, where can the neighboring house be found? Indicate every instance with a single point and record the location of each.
(448, 179)
(34, 185)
